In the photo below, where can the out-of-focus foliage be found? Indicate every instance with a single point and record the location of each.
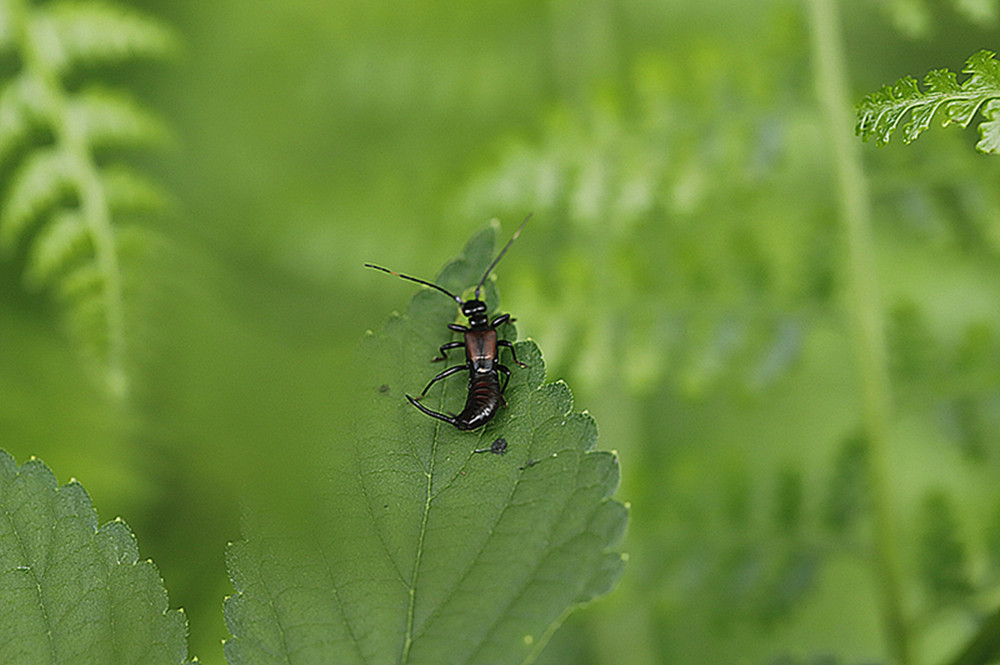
(818, 659)
(919, 18)
(683, 270)
(63, 183)
(943, 559)
(656, 221)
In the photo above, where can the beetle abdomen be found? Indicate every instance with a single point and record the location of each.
(482, 403)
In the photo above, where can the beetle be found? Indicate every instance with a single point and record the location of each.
(482, 353)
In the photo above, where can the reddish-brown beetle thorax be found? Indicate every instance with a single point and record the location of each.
(481, 346)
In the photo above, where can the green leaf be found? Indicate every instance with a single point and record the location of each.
(425, 551)
(71, 592)
(881, 112)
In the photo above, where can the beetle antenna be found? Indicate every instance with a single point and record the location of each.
(418, 281)
(500, 255)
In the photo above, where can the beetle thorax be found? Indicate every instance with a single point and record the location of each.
(475, 311)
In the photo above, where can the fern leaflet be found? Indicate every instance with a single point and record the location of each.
(881, 112)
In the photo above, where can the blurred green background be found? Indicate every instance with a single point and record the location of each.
(684, 271)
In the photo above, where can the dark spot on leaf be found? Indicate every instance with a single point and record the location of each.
(498, 447)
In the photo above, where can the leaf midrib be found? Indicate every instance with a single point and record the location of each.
(428, 497)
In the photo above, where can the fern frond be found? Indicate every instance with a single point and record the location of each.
(59, 206)
(881, 112)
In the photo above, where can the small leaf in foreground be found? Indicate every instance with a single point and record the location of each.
(423, 551)
(71, 592)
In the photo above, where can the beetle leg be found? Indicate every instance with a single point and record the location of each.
(513, 355)
(500, 320)
(506, 373)
(445, 347)
(447, 372)
(433, 414)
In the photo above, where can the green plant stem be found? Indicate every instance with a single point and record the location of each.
(867, 323)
